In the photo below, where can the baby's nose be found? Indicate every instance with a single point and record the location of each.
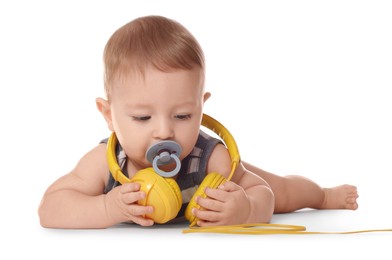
(163, 130)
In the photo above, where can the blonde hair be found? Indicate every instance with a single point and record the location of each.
(150, 41)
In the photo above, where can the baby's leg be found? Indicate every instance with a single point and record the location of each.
(295, 192)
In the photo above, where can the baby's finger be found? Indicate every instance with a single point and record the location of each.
(202, 223)
(142, 221)
(216, 194)
(130, 187)
(136, 213)
(132, 197)
(135, 210)
(229, 186)
(205, 216)
(210, 203)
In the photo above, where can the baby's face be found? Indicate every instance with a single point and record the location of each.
(159, 106)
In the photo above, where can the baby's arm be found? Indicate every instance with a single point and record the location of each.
(259, 193)
(247, 198)
(76, 200)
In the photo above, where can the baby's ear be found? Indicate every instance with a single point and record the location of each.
(104, 107)
(206, 96)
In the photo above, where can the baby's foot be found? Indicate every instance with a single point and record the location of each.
(341, 197)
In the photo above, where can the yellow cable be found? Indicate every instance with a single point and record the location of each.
(269, 229)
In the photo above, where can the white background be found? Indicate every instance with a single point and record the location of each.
(304, 86)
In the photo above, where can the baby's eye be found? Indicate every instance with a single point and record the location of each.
(141, 118)
(183, 117)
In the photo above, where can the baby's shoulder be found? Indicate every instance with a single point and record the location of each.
(220, 161)
(93, 163)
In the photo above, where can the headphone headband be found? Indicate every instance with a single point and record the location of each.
(227, 138)
(207, 121)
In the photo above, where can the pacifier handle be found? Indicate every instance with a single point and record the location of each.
(164, 173)
(163, 153)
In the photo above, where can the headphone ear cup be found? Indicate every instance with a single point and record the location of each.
(162, 193)
(212, 180)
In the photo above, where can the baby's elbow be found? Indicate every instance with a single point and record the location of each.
(266, 205)
(44, 216)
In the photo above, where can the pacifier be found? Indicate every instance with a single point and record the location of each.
(163, 153)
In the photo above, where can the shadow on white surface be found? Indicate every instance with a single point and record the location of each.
(28, 239)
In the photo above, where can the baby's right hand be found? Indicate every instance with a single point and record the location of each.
(121, 205)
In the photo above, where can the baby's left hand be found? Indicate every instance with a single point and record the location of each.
(226, 205)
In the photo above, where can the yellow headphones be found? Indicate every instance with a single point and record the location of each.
(163, 193)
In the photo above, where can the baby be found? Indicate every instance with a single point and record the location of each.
(154, 84)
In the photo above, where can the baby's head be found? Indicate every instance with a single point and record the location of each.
(154, 83)
(151, 41)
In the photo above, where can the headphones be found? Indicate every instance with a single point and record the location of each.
(163, 193)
